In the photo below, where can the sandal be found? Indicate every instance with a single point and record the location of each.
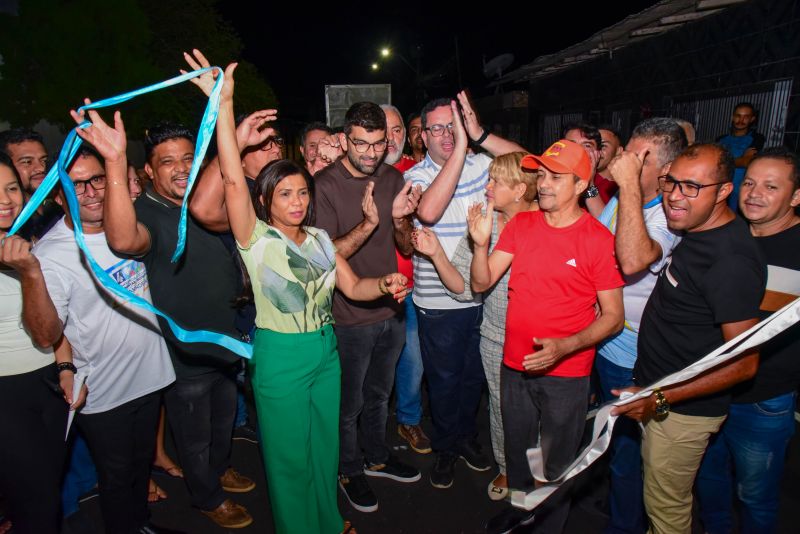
(495, 490)
(155, 493)
(173, 470)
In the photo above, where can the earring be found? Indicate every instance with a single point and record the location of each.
(516, 199)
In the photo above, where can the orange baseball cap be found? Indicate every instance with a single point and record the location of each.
(562, 157)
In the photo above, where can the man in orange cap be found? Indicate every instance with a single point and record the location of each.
(563, 263)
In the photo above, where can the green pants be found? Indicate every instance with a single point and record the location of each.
(297, 386)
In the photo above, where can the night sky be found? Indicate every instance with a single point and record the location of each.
(300, 49)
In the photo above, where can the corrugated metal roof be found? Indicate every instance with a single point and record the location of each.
(656, 20)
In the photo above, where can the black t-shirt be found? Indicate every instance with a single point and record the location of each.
(779, 366)
(197, 291)
(714, 277)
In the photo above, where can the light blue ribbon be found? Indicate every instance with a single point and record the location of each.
(59, 172)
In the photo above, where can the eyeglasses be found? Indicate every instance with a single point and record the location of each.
(363, 146)
(98, 183)
(272, 141)
(688, 189)
(437, 130)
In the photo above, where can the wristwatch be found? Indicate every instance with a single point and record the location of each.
(591, 191)
(662, 405)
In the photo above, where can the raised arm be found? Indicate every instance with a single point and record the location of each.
(494, 144)
(207, 204)
(634, 247)
(485, 270)
(123, 232)
(239, 207)
(438, 195)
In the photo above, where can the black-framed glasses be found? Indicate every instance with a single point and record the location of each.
(363, 146)
(272, 141)
(97, 182)
(437, 130)
(689, 189)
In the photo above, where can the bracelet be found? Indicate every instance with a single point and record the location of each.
(66, 366)
(479, 141)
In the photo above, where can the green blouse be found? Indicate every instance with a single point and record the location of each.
(293, 285)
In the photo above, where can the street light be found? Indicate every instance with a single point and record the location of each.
(374, 66)
(385, 52)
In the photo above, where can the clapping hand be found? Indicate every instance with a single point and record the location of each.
(480, 223)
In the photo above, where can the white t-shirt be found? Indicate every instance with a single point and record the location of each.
(450, 228)
(18, 354)
(119, 346)
(621, 348)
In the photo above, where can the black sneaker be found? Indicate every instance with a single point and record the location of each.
(471, 453)
(442, 473)
(509, 519)
(358, 492)
(393, 469)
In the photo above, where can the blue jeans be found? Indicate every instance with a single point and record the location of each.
(450, 343)
(408, 376)
(754, 440)
(625, 498)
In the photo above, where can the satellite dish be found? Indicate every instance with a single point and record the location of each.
(494, 67)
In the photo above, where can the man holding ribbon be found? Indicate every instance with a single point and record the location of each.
(197, 292)
(708, 293)
(118, 349)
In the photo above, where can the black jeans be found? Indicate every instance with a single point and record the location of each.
(368, 356)
(550, 410)
(122, 442)
(450, 343)
(33, 421)
(201, 410)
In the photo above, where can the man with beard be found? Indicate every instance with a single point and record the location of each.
(415, 141)
(370, 334)
(197, 292)
(396, 137)
(408, 379)
(29, 155)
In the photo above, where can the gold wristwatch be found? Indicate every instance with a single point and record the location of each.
(662, 405)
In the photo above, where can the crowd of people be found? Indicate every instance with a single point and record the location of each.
(398, 252)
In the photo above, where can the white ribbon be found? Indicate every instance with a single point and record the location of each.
(604, 421)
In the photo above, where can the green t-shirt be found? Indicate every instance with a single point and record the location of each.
(293, 285)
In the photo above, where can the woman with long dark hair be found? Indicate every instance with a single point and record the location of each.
(33, 414)
(293, 269)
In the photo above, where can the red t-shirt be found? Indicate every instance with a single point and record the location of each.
(555, 276)
(404, 163)
(404, 264)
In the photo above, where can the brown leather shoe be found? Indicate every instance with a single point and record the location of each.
(229, 515)
(235, 482)
(415, 437)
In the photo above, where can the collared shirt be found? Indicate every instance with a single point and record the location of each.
(450, 228)
(621, 347)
